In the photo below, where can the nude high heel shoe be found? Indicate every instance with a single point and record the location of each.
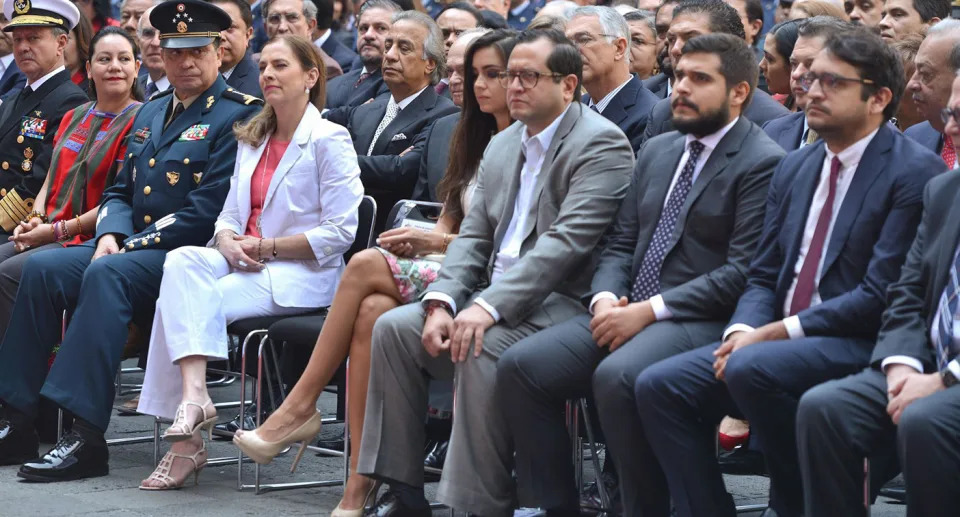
(162, 472)
(180, 430)
(367, 501)
(263, 452)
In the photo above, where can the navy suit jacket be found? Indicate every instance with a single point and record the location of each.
(520, 20)
(259, 31)
(871, 235)
(434, 147)
(12, 81)
(340, 53)
(657, 84)
(246, 77)
(761, 109)
(786, 131)
(629, 110)
(344, 92)
(925, 135)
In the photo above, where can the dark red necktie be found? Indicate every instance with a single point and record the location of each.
(948, 153)
(363, 77)
(440, 88)
(806, 280)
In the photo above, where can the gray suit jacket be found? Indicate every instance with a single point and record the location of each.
(585, 174)
(705, 267)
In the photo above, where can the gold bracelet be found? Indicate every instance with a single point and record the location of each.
(79, 226)
(443, 250)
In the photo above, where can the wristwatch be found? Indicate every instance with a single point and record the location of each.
(948, 378)
(432, 305)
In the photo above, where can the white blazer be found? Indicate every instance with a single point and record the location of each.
(316, 191)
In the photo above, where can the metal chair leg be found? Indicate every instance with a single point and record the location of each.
(601, 488)
(866, 486)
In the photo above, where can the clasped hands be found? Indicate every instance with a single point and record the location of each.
(31, 234)
(614, 322)
(735, 341)
(239, 251)
(905, 386)
(444, 333)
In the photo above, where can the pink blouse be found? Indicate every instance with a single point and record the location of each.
(260, 182)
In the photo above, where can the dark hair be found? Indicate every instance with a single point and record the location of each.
(754, 11)
(324, 13)
(245, 14)
(723, 18)
(738, 63)
(83, 34)
(135, 91)
(564, 59)
(874, 60)
(822, 27)
(785, 36)
(492, 20)
(464, 6)
(475, 128)
(955, 57)
(101, 12)
(929, 9)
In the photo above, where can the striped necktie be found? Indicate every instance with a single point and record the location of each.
(947, 311)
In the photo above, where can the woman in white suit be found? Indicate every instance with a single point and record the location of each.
(278, 248)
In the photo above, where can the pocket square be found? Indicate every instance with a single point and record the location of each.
(397, 137)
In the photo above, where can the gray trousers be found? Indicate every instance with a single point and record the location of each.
(11, 269)
(477, 473)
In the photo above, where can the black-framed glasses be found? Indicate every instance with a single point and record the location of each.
(528, 78)
(947, 113)
(829, 82)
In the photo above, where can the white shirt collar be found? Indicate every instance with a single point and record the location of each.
(850, 157)
(545, 137)
(406, 102)
(604, 102)
(519, 9)
(39, 82)
(162, 84)
(322, 39)
(226, 75)
(712, 140)
(5, 62)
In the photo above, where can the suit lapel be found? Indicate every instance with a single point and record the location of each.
(190, 116)
(422, 104)
(301, 138)
(621, 103)
(951, 229)
(796, 132)
(655, 194)
(871, 166)
(368, 125)
(800, 199)
(512, 175)
(247, 168)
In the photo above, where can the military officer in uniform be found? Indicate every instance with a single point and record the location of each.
(29, 120)
(167, 194)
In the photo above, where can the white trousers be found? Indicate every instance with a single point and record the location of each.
(199, 297)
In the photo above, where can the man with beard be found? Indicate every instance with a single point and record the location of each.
(365, 83)
(930, 89)
(667, 280)
(840, 217)
(659, 84)
(692, 18)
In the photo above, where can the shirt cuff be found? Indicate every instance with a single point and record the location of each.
(487, 307)
(660, 310)
(902, 359)
(954, 367)
(602, 295)
(434, 295)
(736, 327)
(794, 328)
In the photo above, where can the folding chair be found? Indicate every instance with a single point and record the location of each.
(573, 412)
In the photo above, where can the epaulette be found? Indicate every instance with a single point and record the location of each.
(242, 98)
(159, 94)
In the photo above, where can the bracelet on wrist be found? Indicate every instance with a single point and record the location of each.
(433, 305)
(38, 215)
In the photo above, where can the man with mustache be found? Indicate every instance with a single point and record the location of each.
(365, 83)
(659, 84)
(840, 216)
(930, 89)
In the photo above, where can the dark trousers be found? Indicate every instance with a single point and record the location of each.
(101, 298)
(681, 402)
(535, 378)
(11, 270)
(839, 423)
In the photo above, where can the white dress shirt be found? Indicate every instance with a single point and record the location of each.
(534, 149)
(226, 75)
(405, 102)
(322, 39)
(518, 10)
(849, 160)
(162, 84)
(39, 82)
(5, 63)
(605, 101)
(710, 142)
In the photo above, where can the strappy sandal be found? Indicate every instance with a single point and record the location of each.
(162, 472)
(180, 430)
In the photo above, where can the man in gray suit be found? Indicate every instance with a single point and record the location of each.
(668, 278)
(692, 18)
(550, 185)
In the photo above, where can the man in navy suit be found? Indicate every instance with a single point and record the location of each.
(792, 131)
(839, 220)
(930, 89)
(692, 18)
(522, 12)
(659, 84)
(603, 38)
(11, 79)
(324, 38)
(237, 67)
(365, 83)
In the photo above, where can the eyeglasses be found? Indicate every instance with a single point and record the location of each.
(274, 18)
(583, 39)
(528, 78)
(829, 82)
(456, 32)
(947, 113)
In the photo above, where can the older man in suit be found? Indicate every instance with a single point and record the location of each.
(384, 131)
(154, 80)
(840, 215)
(667, 280)
(692, 18)
(549, 186)
(906, 400)
(365, 83)
(11, 79)
(603, 37)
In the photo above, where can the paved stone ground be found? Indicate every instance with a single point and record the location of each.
(216, 494)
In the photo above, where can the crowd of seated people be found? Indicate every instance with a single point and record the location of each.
(689, 219)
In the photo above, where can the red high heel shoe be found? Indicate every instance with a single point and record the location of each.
(729, 443)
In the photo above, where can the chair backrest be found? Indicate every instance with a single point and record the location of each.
(421, 214)
(367, 216)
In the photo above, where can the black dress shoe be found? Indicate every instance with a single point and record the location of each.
(742, 461)
(225, 430)
(334, 442)
(391, 504)
(769, 512)
(73, 457)
(436, 457)
(896, 489)
(590, 501)
(17, 443)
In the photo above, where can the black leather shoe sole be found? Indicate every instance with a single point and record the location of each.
(68, 474)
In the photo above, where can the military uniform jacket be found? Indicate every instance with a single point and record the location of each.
(174, 182)
(27, 127)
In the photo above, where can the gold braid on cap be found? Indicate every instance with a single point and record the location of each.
(33, 19)
(190, 35)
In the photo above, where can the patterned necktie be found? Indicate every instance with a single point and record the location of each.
(647, 283)
(948, 309)
(806, 280)
(150, 90)
(812, 137)
(949, 153)
(363, 77)
(392, 109)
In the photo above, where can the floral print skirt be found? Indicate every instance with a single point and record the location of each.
(412, 275)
